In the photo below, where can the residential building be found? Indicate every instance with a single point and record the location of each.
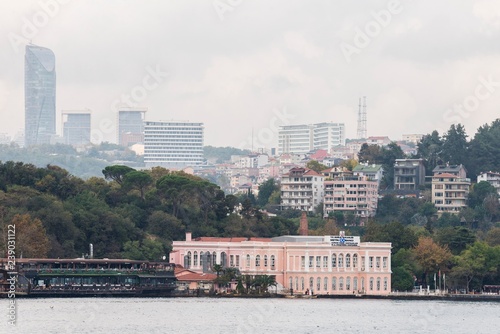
(450, 188)
(324, 265)
(39, 95)
(378, 140)
(130, 126)
(173, 144)
(491, 177)
(335, 172)
(302, 138)
(76, 127)
(409, 174)
(412, 138)
(371, 171)
(301, 189)
(351, 194)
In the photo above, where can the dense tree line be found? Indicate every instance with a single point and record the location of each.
(128, 213)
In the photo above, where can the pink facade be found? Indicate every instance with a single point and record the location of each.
(317, 263)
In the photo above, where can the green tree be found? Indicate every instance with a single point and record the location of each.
(457, 238)
(455, 146)
(316, 166)
(266, 189)
(484, 151)
(137, 180)
(116, 173)
(429, 148)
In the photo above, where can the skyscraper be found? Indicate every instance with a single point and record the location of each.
(131, 126)
(76, 127)
(39, 95)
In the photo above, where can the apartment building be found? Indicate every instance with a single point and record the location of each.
(303, 138)
(450, 188)
(301, 189)
(491, 177)
(409, 174)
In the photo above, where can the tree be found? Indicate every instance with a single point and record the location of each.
(479, 192)
(266, 189)
(370, 154)
(31, 239)
(137, 180)
(429, 148)
(349, 164)
(455, 146)
(457, 238)
(402, 279)
(484, 151)
(116, 173)
(316, 166)
(431, 256)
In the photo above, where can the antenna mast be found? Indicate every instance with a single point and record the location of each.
(362, 119)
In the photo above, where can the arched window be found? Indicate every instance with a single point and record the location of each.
(296, 283)
(371, 283)
(311, 283)
(334, 283)
(318, 283)
(201, 259)
(209, 260)
(325, 284)
(348, 261)
(385, 284)
(341, 283)
(273, 262)
(378, 283)
(223, 259)
(355, 261)
(248, 260)
(302, 283)
(214, 260)
(355, 284)
(334, 260)
(189, 259)
(341, 260)
(362, 284)
(290, 282)
(348, 283)
(195, 258)
(265, 260)
(257, 261)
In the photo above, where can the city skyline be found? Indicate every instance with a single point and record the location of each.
(302, 64)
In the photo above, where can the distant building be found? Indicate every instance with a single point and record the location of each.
(378, 140)
(409, 174)
(76, 127)
(412, 138)
(173, 144)
(450, 188)
(302, 138)
(4, 139)
(301, 189)
(492, 178)
(130, 126)
(372, 172)
(351, 194)
(39, 95)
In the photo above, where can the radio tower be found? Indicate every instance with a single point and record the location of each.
(362, 119)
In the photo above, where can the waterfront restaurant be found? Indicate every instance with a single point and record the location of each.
(328, 264)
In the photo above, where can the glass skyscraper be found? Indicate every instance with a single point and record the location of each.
(39, 95)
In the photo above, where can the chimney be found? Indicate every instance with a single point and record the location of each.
(303, 229)
(188, 236)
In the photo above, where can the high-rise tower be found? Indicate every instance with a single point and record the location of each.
(39, 95)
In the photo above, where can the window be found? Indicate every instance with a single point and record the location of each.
(265, 260)
(334, 283)
(334, 261)
(188, 259)
(195, 258)
(371, 283)
(377, 262)
(325, 261)
(362, 263)
(318, 283)
(290, 282)
(237, 260)
(370, 262)
(384, 262)
(257, 261)
(355, 283)
(348, 283)
(201, 259)
(273, 262)
(318, 261)
(302, 261)
(214, 258)
(341, 283)
(378, 284)
(363, 284)
(325, 284)
(355, 261)
(231, 260)
(302, 283)
(311, 260)
(348, 261)
(341, 260)
(385, 284)
(296, 283)
(311, 283)
(248, 260)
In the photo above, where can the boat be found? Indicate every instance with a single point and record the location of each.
(91, 277)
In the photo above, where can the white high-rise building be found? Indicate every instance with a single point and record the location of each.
(173, 144)
(300, 139)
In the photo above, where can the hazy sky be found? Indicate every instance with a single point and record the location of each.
(237, 65)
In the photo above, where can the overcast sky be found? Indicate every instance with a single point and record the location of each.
(236, 65)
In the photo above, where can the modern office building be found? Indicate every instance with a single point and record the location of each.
(301, 189)
(173, 144)
(301, 139)
(324, 265)
(76, 127)
(130, 126)
(39, 95)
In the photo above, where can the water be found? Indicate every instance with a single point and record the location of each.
(213, 315)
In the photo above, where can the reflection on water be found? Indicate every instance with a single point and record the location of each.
(214, 315)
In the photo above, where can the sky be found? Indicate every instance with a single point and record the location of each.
(245, 67)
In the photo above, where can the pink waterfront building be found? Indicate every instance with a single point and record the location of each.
(322, 264)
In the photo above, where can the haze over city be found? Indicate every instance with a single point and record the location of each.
(241, 65)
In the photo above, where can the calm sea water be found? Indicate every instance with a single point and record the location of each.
(208, 315)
